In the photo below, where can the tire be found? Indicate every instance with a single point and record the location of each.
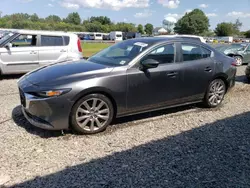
(92, 114)
(215, 93)
(239, 60)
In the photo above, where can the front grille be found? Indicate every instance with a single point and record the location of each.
(22, 98)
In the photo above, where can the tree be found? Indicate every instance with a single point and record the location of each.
(140, 29)
(149, 28)
(237, 25)
(53, 18)
(247, 34)
(224, 29)
(195, 22)
(34, 18)
(73, 18)
(104, 20)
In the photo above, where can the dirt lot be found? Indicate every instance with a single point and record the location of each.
(184, 147)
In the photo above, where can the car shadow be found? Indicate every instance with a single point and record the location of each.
(213, 155)
(118, 123)
(10, 77)
(242, 79)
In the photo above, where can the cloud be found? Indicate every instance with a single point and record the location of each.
(238, 14)
(177, 16)
(145, 14)
(24, 1)
(50, 5)
(105, 4)
(211, 15)
(203, 5)
(169, 3)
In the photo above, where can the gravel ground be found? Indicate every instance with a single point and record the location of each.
(183, 147)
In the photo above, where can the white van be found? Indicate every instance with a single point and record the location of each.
(25, 50)
(95, 36)
(116, 36)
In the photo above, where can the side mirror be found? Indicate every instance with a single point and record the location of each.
(149, 64)
(8, 46)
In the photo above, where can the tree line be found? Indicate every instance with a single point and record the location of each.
(197, 23)
(72, 22)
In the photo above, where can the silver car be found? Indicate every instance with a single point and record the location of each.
(22, 50)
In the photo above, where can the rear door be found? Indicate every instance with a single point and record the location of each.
(52, 49)
(197, 70)
(22, 56)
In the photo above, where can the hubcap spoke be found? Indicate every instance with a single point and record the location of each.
(103, 117)
(100, 105)
(82, 118)
(83, 111)
(103, 111)
(94, 103)
(85, 122)
(87, 105)
(92, 125)
(98, 123)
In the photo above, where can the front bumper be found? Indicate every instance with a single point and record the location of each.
(46, 113)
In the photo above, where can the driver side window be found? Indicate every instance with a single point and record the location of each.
(163, 54)
(24, 41)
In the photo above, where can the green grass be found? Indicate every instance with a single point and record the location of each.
(92, 48)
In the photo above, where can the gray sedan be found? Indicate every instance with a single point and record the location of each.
(130, 77)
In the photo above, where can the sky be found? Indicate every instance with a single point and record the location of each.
(135, 11)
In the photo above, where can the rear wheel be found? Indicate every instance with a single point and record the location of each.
(215, 93)
(239, 60)
(92, 114)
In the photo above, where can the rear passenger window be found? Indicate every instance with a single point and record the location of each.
(51, 41)
(205, 53)
(66, 40)
(191, 52)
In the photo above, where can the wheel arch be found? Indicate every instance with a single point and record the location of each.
(223, 77)
(96, 90)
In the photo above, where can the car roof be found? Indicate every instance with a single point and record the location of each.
(35, 32)
(155, 40)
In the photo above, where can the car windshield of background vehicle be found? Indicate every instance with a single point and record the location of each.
(121, 53)
(6, 37)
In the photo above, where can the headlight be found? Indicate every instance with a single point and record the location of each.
(51, 93)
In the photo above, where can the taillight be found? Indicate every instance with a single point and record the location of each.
(79, 45)
(234, 63)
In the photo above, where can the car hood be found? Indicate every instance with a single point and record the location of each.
(63, 72)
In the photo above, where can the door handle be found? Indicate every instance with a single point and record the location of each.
(172, 74)
(33, 52)
(208, 69)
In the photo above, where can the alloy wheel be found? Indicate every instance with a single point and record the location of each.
(216, 93)
(92, 114)
(238, 60)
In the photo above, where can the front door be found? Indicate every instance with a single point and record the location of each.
(22, 56)
(155, 87)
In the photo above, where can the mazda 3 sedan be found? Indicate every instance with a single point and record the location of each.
(130, 77)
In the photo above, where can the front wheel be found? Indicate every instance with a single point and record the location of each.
(215, 93)
(92, 114)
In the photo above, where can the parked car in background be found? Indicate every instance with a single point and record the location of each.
(193, 37)
(106, 37)
(130, 77)
(241, 52)
(95, 36)
(22, 51)
(116, 36)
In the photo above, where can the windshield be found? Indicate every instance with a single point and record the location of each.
(121, 53)
(6, 36)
